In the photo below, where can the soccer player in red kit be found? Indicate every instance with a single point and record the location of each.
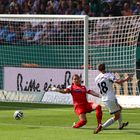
(80, 102)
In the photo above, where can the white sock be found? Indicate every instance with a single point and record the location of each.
(108, 122)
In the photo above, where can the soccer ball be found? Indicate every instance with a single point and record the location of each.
(18, 115)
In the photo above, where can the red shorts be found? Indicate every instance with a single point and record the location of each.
(84, 108)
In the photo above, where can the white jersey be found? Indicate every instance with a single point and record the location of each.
(104, 82)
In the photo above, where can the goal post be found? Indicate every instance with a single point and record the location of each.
(67, 44)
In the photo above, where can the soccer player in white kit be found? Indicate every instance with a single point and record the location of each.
(104, 81)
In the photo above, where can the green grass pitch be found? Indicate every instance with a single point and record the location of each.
(53, 122)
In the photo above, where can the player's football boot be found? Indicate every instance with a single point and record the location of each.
(79, 124)
(98, 129)
(123, 125)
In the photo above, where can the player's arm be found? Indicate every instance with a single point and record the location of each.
(63, 91)
(120, 81)
(112, 78)
(93, 93)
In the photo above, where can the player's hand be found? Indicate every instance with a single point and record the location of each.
(54, 89)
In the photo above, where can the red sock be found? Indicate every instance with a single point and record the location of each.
(99, 114)
(80, 124)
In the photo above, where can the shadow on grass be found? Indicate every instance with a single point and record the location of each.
(134, 133)
(33, 127)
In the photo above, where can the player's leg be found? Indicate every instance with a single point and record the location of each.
(98, 110)
(111, 120)
(80, 112)
(121, 124)
(120, 118)
(82, 121)
(113, 109)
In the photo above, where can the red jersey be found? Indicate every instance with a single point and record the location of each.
(78, 94)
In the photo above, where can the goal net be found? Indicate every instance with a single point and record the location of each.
(54, 47)
(113, 41)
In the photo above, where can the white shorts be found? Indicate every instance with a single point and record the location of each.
(112, 106)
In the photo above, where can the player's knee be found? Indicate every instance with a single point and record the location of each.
(99, 108)
(117, 116)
